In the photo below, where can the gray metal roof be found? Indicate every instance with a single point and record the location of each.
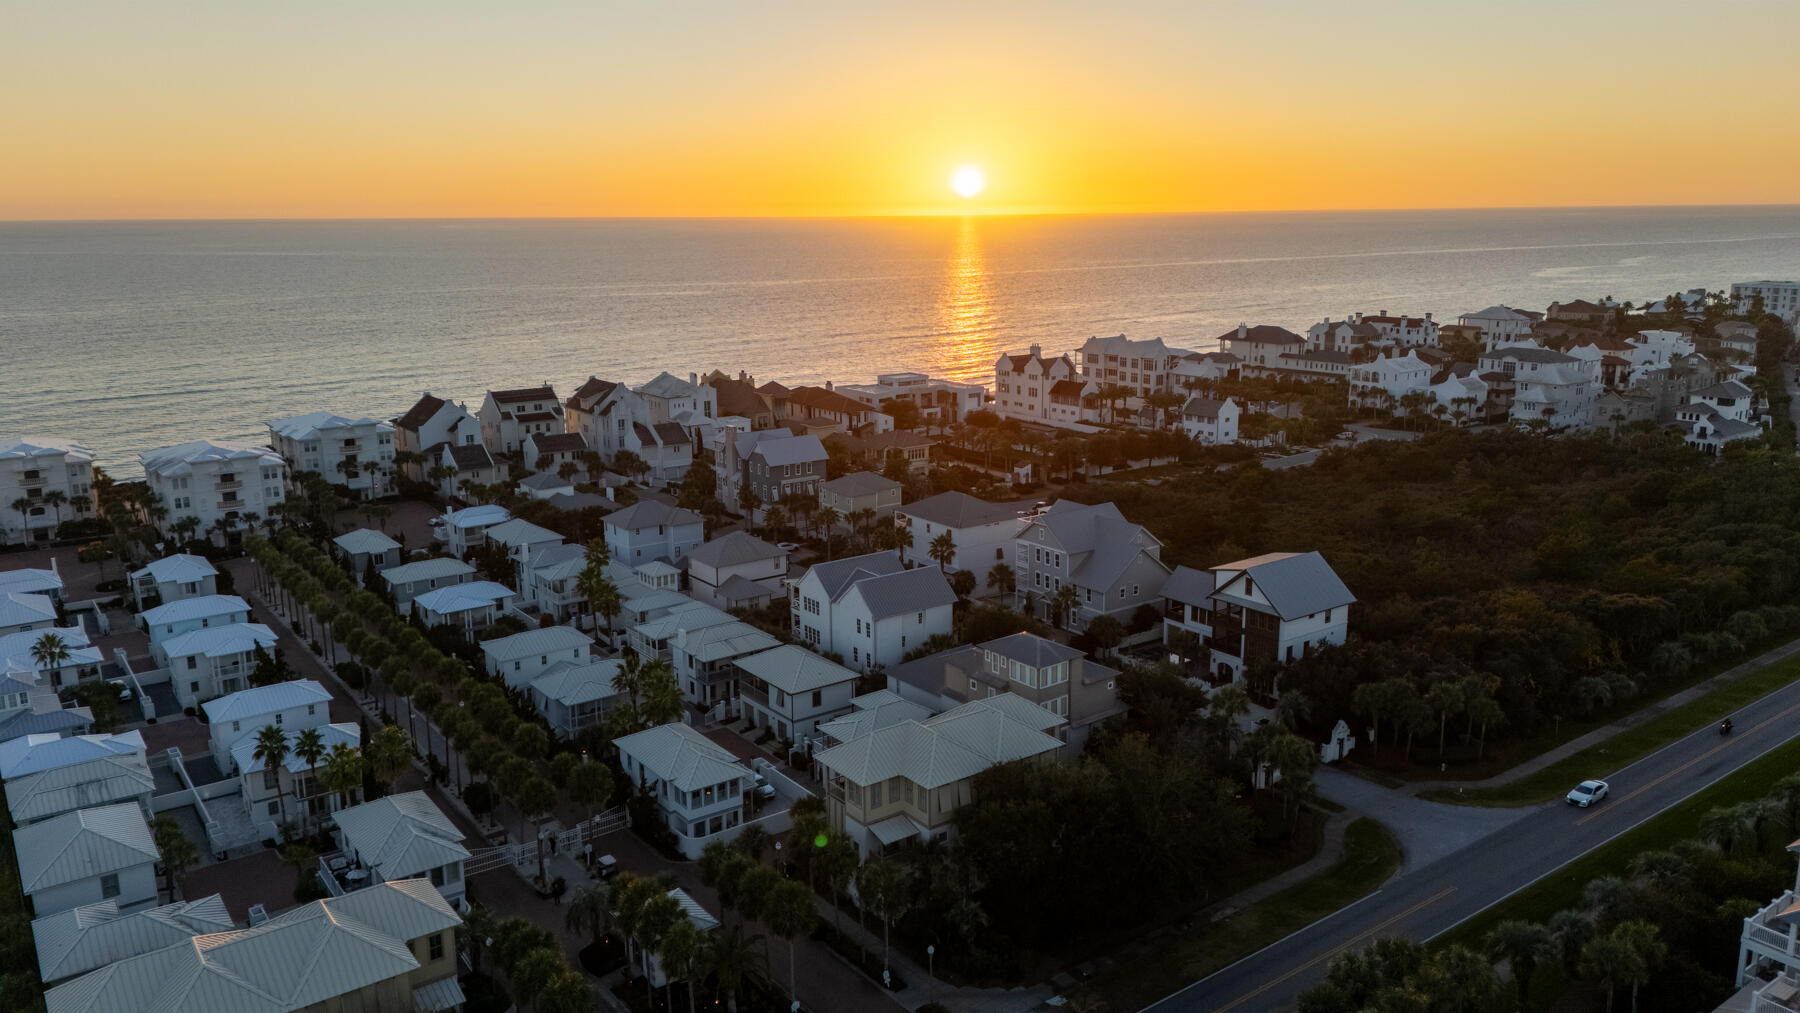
(1295, 584)
(794, 669)
(260, 700)
(681, 756)
(793, 450)
(1100, 542)
(961, 510)
(891, 594)
(954, 745)
(1031, 649)
(401, 835)
(858, 484)
(544, 640)
(836, 576)
(733, 549)
(82, 844)
(81, 939)
(1189, 586)
(365, 540)
(650, 513)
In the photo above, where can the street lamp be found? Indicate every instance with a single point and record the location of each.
(931, 968)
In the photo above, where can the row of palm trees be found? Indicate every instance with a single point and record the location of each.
(531, 960)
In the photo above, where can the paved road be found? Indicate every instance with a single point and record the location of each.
(1421, 903)
(1427, 831)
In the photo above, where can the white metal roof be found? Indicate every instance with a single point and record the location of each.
(308, 426)
(794, 669)
(30, 581)
(571, 685)
(181, 458)
(545, 640)
(519, 531)
(365, 541)
(486, 515)
(954, 745)
(726, 640)
(94, 935)
(702, 918)
(34, 754)
(22, 609)
(294, 961)
(15, 648)
(463, 597)
(220, 641)
(438, 996)
(401, 835)
(29, 446)
(82, 844)
(426, 569)
(205, 606)
(681, 756)
(179, 569)
(694, 615)
(260, 700)
(47, 775)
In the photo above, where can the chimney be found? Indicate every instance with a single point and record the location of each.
(694, 379)
(827, 384)
(1037, 351)
(1243, 329)
(743, 377)
(1428, 318)
(1384, 313)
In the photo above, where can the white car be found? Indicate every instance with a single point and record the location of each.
(1587, 793)
(764, 790)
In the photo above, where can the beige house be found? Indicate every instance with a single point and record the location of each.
(905, 781)
(1054, 676)
(861, 490)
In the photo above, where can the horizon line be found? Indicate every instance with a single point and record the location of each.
(832, 216)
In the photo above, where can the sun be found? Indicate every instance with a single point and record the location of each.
(968, 180)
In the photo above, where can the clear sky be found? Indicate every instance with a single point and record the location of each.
(453, 108)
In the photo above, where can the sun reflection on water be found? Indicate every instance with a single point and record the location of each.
(966, 349)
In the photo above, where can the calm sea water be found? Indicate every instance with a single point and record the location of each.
(137, 335)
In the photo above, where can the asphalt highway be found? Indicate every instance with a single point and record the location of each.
(1427, 901)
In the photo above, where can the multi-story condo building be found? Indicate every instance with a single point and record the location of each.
(791, 690)
(1539, 385)
(357, 453)
(508, 416)
(1024, 385)
(905, 781)
(1402, 331)
(703, 657)
(1499, 325)
(1114, 565)
(429, 424)
(289, 793)
(942, 401)
(1781, 298)
(651, 529)
(602, 412)
(869, 610)
(1141, 366)
(217, 485)
(687, 403)
(43, 482)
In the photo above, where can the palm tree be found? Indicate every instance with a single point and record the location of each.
(590, 911)
(1611, 960)
(1001, 580)
(23, 506)
(883, 887)
(272, 752)
(827, 519)
(789, 912)
(735, 959)
(662, 699)
(49, 651)
(1063, 602)
(388, 754)
(176, 850)
(943, 550)
(1523, 945)
(56, 499)
(309, 745)
(564, 991)
(343, 773)
(683, 950)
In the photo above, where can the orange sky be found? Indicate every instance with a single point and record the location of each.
(453, 109)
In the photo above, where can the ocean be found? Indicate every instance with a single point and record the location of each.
(130, 336)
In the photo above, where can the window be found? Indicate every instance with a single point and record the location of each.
(818, 698)
(271, 778)
(275, 808)
(109, 885)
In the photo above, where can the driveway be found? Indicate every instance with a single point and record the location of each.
(1427, 831)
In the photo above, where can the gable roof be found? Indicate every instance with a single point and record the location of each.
(1264, 334)
(485, 515)
(1189, 586)
(307, 426)
(1100, 542)
(296, 960)
(1730, 388)
(1203, 407)
(546, 640)
(794, 669)
(420, 413)
(826, 400)
(469, 456)
(552, 443)
(365, 541)
(738, 398)
(1031, 649)
(571, 685)
(724, 640)
(518, 531)
(733, 549)
(219, 641)
(873, 711)
(83, 938)
(954, 745)
(15, 448)
(180, 568)
(681, 756)
(180, 459)
(464, 597)
(19, 609)
(203, 606)
(915, 590)
(543, 480)
(518, 395)
(1295, 584)
(82, 844)
(859, 483)
(960, 510)
(35, 754)
(650, 513)
(836, 576)
(260, 700)
(792, 450)
(426, 569)
(401, 835)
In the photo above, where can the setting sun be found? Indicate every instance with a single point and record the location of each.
(968, 180)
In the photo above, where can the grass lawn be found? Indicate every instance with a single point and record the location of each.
(1370, 856)
(1563, 888)
(1632, 744)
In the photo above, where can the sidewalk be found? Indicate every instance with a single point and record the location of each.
(1632, 720)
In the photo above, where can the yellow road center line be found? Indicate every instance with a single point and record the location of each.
(1408, 913)
(1702, 758)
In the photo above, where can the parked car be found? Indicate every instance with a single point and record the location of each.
(764, 790)
(1587, 793)
(605, 866)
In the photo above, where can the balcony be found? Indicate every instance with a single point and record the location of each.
(1774, 932)
(339, 874)
(224, 484)
(750, 689)
(33, 479)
